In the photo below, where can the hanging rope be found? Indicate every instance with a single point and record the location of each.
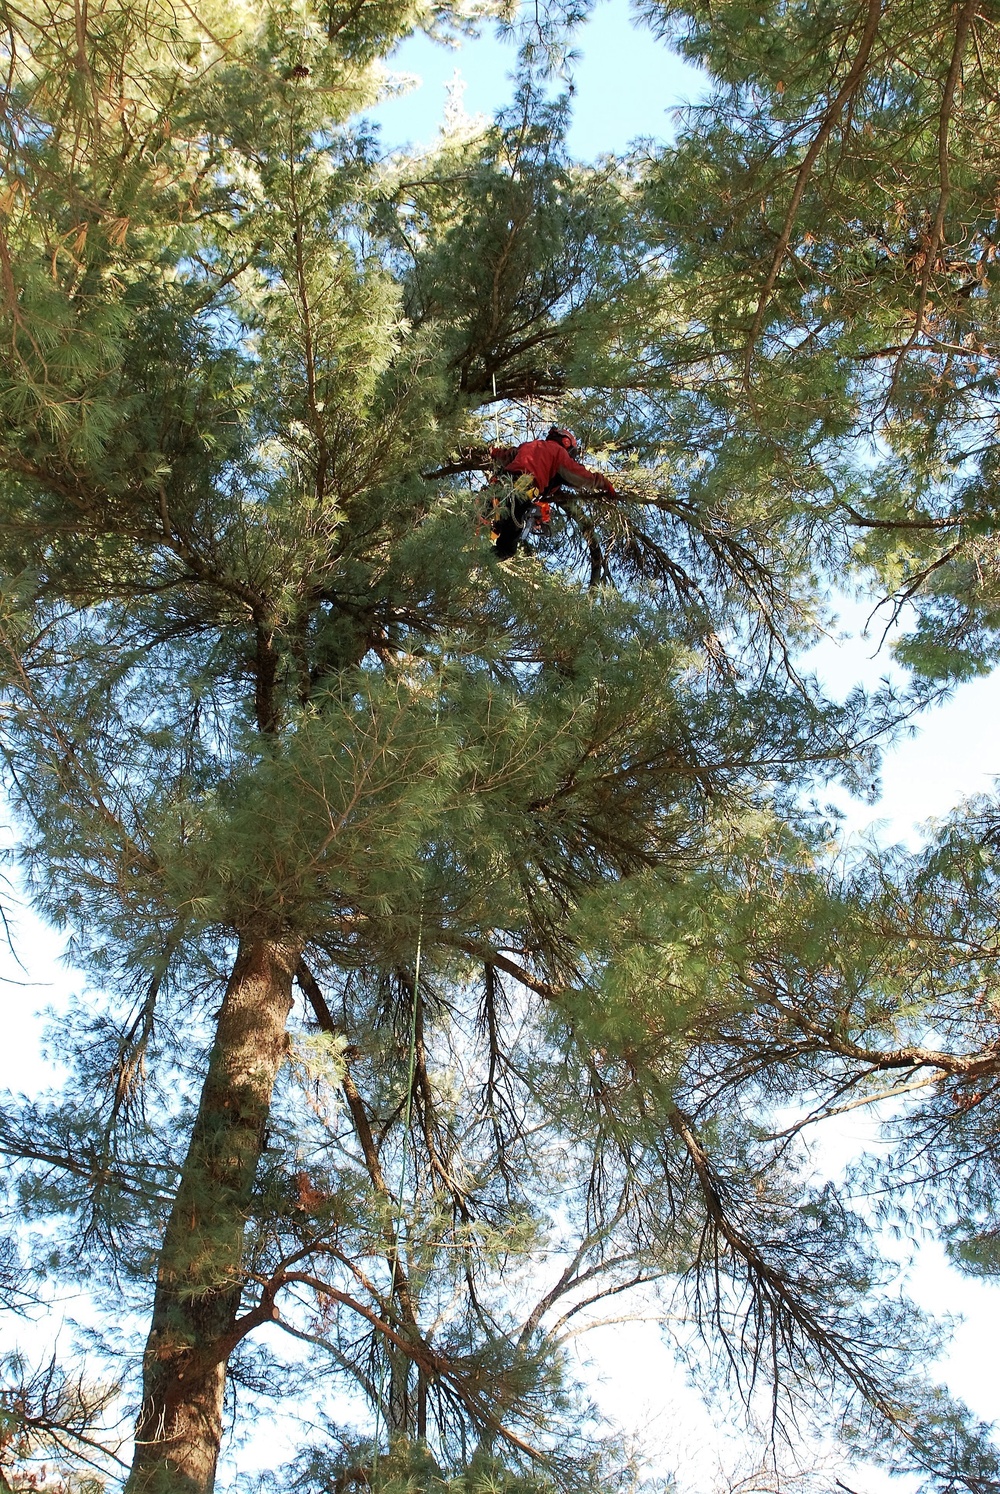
(407, 1116)
(397, 1223)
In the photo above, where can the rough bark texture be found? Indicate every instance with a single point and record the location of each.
(199, 1277)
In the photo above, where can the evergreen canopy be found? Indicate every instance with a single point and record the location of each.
(459, 934)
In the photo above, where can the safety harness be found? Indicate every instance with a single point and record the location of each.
(515, 498)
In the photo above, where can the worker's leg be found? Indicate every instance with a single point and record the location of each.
(508, 533)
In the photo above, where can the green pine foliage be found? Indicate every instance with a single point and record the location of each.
(830, 218)
(527, 838)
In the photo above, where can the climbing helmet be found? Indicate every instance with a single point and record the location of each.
(564, 437)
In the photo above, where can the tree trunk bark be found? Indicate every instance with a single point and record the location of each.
(199, 1276)
(398, 1407)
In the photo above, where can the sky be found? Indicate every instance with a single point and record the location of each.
(628, 87)
(951, 752)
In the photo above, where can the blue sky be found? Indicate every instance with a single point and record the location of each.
(626, 84)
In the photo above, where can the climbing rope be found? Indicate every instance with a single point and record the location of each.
(397, 1223)
(407, 1116)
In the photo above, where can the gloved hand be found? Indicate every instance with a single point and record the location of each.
(608, 487)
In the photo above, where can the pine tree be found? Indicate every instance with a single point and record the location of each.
(279, 731)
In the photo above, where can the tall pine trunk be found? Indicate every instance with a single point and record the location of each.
(199, 1276)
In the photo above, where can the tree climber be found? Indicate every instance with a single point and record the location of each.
(523, 486)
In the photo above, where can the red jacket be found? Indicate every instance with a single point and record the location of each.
(550, 463)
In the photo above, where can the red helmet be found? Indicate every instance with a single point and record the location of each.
(564, 437)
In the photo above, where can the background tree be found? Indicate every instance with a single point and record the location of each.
(831, 210)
